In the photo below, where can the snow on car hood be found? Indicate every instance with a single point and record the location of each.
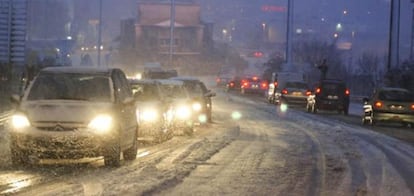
(64, 111)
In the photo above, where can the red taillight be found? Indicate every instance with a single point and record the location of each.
(245, 84)
(308, 93)
(218, 80)
(347, 92)
(378, 104)
(284, 91)
(412, 106)
(318, 90)
(275, 84)
(264, 85)
(255, 78)
(232, 84)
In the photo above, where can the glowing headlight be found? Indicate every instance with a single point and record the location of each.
(149, 115)
(196, 106)
(283, 107)
(20, 121)
(183, 112)
(101, 123)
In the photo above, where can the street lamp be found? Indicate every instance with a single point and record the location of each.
(100, 33)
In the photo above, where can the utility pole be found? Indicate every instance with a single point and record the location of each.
(100, 33)
(172, 23)
(289, 35)
(394, 35)
(412, 35)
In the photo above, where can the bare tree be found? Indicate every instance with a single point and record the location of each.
(316, 52)
(369, 65)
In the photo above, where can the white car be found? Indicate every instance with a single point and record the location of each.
(182, 113)
(72, 113)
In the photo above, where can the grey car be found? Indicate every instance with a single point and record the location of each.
(389, 105)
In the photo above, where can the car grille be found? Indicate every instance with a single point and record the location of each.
(58, 126)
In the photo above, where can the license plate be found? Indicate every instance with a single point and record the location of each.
(297, 93)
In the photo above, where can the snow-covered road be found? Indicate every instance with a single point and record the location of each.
(265, 152)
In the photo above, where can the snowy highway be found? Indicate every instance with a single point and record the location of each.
(260, 152)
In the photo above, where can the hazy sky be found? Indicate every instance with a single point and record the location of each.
(366, 16)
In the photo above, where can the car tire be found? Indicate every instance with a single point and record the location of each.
(189, 129)
(112, 157)
(131, 153)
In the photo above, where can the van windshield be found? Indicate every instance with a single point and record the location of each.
(70, 87)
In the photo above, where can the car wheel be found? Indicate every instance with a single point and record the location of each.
(189, 129)
(346, 111)
(112, 157)
(371, 120)
(131, 153)
(209, 117)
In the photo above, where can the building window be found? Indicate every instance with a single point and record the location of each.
(166, 42)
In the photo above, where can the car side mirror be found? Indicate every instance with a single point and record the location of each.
(210, 94)
(128, 100)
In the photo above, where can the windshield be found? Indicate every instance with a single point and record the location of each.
(145, 92)
(70, 87)
(396, 95)
(173, 91)
(298, 85)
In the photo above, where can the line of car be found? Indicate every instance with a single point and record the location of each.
(81, 112)
(385, 105)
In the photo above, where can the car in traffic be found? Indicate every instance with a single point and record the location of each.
(293, 93)
(201, 98)
(234, 84)
(388, 104)
(222, 80)
(254, 85)
(153, 110)
(182, 115)
(73, 113)
(330, 95)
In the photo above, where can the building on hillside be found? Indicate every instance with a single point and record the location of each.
(153, 29)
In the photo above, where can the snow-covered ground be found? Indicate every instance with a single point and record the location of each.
(261, 151)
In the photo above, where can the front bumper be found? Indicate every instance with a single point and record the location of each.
(80, 143)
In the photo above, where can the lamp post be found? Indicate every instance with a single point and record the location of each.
(172, 23)
(100, 33)
(289, 34)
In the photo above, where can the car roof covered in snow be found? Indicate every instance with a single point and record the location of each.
(77, 69)
(171, 82)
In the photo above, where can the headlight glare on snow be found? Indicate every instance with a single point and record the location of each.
(101, 123)
(20, 121)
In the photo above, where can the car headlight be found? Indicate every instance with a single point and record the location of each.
(196, 106)
(183, 112)
(101, 123)
(149, 115)
(20, 121)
